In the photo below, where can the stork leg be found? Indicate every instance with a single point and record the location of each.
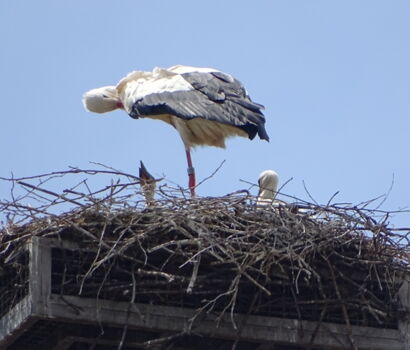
(191, 172)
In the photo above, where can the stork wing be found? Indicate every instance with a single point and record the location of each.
(214, 96)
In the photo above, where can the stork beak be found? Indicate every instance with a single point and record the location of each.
(260, 189)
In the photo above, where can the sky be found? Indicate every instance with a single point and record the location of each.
(334, 77)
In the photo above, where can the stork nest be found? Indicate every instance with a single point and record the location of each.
(337, 263)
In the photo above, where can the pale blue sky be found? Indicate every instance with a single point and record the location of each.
(334, 77)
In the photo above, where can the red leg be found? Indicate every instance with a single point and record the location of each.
(191, 173)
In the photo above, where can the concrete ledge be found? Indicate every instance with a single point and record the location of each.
(257, 329)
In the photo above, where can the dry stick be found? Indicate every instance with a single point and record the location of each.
(208, 307)
(317, 327)
(252, 184)
(162, 340)
(167, 276)
(324, 310)
(179, 243)
(308, 193)
(97, 255)
(244, 320)
(212, 175)
(77, 309)
(296, 304)
(122, 186)
(98, 306)
(110, 254)
(343, 305)
(256, 283)
(33, 195)
(50, 193)
(73, 170)
(132, 301)
(194, 272)
(36, 210)
(233, 291)
(364, 291)
(331, 198)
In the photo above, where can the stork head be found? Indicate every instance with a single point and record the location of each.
(101, 100)
(148, 185)
(268, 185)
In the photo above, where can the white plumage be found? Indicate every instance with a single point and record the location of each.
(268, 186)
(203, 104)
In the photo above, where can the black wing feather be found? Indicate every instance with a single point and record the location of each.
(215, 96)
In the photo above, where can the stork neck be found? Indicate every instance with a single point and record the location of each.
(267, 194)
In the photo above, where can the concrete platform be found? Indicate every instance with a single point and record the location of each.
(45, 320)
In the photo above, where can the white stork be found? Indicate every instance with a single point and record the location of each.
(268, 186)
(203, 104)
(148, 185)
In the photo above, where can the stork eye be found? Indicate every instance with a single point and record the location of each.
(105, 96)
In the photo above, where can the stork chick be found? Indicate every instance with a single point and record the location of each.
(148, 185)
(268, 185)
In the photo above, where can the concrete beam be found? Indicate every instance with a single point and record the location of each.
(259, 329)
(40, 273)
(404, 324)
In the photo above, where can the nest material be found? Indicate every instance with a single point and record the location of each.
(222, 255)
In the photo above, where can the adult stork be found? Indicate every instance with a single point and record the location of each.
(203, 104)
